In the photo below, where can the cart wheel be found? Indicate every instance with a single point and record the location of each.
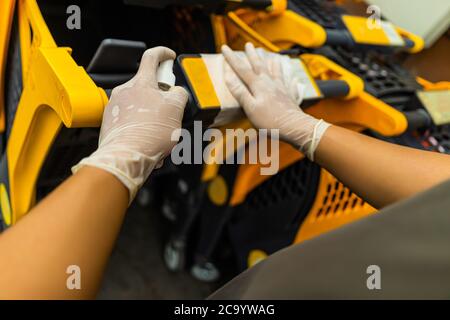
(144, 197)
(206, 272)
(174, 256)
(168, 211)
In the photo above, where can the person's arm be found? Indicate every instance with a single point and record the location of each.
(380, 172)
(78, 223)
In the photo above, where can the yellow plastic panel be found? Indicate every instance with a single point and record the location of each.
(274, 32)
(220, 37)
(218, 191)
(56, 92)
(386, 35)
(334, 206)
(322, 68)
(201, 83)
(428, 85)
(211, 169)
(365, 111)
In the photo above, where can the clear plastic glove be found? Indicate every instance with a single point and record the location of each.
(259, 86)
(138, 123)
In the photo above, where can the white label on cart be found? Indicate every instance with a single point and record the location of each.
(394, 38)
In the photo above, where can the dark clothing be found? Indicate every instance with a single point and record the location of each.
(409, 241)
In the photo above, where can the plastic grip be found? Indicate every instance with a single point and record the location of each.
(165, 76)
(333, 88)
(339, 37)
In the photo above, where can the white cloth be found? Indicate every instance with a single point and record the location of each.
(138, 124)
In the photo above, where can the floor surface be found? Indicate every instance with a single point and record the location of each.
(136, 269)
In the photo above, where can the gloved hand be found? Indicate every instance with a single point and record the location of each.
(259, 86)
(138, 124)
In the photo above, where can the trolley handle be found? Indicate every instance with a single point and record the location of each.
(333, 88)
(418, 119)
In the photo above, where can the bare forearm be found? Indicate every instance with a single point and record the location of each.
(380, 172)
(76, 225)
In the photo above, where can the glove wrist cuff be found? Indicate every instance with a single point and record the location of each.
(132, 170)
(313, 138)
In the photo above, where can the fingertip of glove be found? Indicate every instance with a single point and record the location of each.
(181, 91)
